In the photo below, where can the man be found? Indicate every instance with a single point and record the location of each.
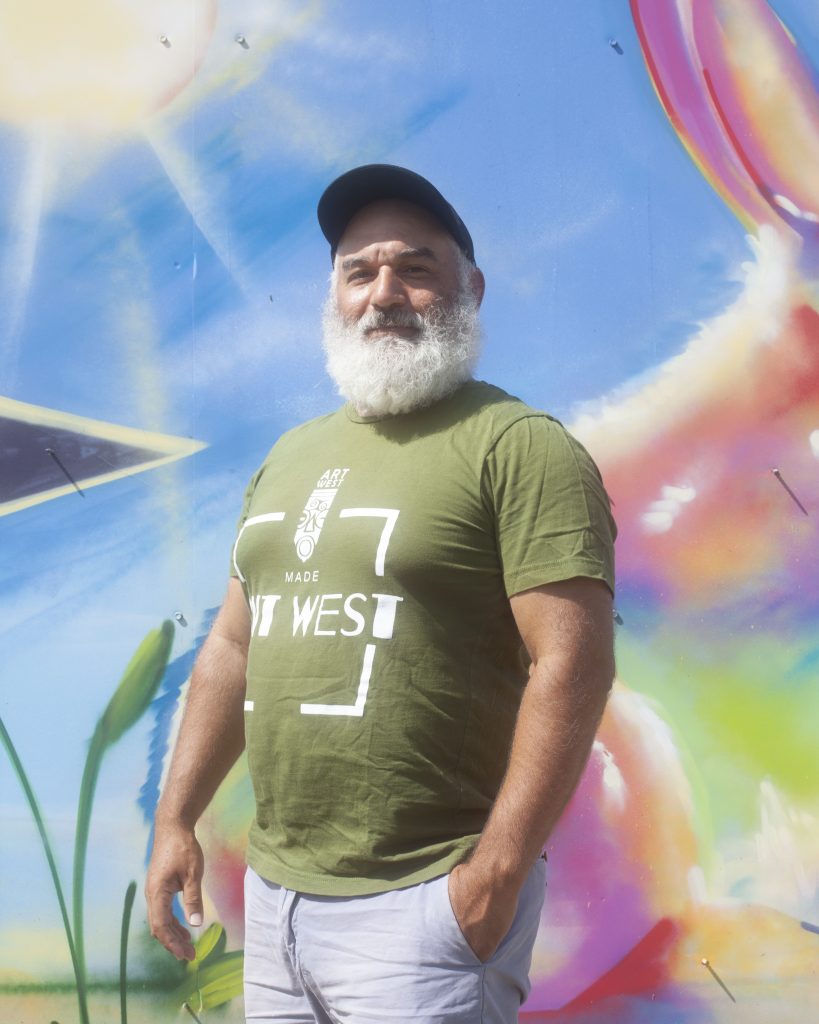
(417, 644)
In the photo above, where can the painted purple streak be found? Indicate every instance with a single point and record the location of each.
(769, 166)
(677, 73)
(765, 168)
(709, 37)
(596, 895)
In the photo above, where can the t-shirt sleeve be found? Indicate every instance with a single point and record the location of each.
(552, 515)
(249, 492)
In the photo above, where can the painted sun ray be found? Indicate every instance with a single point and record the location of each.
(22, 250)
(186, 179)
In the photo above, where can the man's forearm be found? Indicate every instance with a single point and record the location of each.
(567, 629)
(211, 737)
(210, 740)
(556, 725)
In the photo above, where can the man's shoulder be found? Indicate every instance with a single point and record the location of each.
(491, 403)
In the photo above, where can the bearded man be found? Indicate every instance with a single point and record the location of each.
(416, 644)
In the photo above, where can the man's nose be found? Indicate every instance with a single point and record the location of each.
(388, 290)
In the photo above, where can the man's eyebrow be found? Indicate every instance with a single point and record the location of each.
(415, 254)
(354, 262)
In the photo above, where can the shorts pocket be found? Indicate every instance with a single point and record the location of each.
(452, 930)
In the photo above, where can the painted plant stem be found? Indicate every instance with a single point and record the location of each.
(88, 787)
(79, 974)
(130, 893)
(131, 698)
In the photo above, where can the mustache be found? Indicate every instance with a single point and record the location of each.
(375, 319)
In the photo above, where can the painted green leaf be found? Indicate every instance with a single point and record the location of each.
(216, 982)
(138, 685)
(211, 943)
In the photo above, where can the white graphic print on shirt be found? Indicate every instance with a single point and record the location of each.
(320, 615)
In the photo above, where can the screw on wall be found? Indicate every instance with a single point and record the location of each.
(240, 39)
(165, 41)
(707, 963)
(618, 618)
(778, 476)
(180, 618)
(71, 479)
(616, 46)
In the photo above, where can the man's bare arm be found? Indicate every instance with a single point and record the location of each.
(567, 629)
(211, 738)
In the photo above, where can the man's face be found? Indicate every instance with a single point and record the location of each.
(394, 258)
(400, 327)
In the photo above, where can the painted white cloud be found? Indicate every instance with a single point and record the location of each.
(814, 443)
(720, 353)
(660, 515)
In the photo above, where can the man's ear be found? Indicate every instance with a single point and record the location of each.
(477, 283)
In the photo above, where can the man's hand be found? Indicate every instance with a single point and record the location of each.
(211, 738)
(483, 909)
(176, 866)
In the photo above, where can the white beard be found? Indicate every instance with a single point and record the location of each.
(388, 374)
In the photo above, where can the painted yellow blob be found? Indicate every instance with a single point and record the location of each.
(98, 63)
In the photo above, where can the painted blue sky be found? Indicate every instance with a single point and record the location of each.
(178, 277)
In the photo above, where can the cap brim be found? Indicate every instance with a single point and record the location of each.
(348, 194)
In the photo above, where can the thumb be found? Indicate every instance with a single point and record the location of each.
(192, 901)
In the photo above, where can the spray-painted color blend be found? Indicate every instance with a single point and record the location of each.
(642, 183)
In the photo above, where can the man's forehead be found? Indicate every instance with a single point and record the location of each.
(395, 221)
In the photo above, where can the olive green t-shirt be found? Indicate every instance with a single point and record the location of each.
(385, 668)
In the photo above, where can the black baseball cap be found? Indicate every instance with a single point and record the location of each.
(345, 196)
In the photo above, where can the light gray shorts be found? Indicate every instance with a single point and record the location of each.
(394, 956)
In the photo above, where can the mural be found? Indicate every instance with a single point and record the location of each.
(641, 183)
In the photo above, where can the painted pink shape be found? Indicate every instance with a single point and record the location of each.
(742, 528)
(721, 45)
(620, 857)
(676, 71)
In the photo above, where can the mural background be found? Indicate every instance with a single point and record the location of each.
(640, 181)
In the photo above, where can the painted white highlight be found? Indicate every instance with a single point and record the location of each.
(814, 443)
(173, 732)
(786, 853)
(267, 517)
(350, 710)
(390, 515)
(21, 249)
(680, 494)
(660, 516)
(384, 619)
(656, 522)
(790, 207)
(249, 705)
(613, 782)
(185, 175)
(697, 886)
